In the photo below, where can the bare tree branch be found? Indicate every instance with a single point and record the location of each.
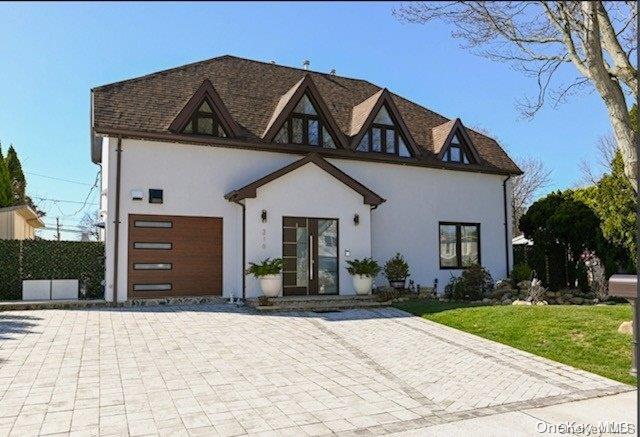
(607, 149)
(526, 186)
(539, 37)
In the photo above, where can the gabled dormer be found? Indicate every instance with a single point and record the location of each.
(452, 144)
(205, 114)
(377, 127)
(301, 117)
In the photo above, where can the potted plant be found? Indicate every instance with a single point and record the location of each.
(268, 273)
(397, 271)
(363, 271)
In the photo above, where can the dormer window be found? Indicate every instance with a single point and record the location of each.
(205, 122)
(305, 126)
(457, 152)
(383, 136)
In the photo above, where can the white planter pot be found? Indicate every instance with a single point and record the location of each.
(362, 284)
(271, 285)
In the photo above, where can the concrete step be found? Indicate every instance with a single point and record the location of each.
(316, 303)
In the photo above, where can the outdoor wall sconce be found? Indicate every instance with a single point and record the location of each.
(263, 216)
(356, 219)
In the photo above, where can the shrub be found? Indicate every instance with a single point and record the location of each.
(364, 267)
(521, 272)
(396, 269)
(474, 284)
(456, 289)
(478, 280)
(387, 294)
(582, 277)
(266, 267)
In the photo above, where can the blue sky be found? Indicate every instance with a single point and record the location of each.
(52, 54)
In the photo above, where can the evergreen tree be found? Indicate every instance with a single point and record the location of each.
(18, 182)
(6, 195)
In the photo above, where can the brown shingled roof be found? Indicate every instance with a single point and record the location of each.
(251, 91)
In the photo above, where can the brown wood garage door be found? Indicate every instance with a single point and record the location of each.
(174, 256)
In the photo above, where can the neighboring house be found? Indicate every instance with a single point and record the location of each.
(520, 240)
(212, 165)
(19, 223)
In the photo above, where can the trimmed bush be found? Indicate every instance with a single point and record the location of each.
(396, 269)
(10, 282)
(521, 272)
(44, 259)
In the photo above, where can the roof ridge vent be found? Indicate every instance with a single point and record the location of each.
(305, 64)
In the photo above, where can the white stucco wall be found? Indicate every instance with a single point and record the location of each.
(195, 179)
(307, 192)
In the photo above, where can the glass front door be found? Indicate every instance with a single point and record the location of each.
(310, 256)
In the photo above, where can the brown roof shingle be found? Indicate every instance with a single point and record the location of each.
(252, 91)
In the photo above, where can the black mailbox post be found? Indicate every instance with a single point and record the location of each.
(626, 286)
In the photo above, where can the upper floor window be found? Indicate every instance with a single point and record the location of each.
(457, 152)
(305, 126)
(383, 136)
(205, 122)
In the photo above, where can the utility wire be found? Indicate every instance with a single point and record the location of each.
(62, 201)
(86, 199)
(58, 179)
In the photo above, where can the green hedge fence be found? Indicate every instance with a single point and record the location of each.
(45, 259)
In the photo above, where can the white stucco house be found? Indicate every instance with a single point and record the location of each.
(212, 165)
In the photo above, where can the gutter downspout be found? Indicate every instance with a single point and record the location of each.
(506, 223)
(244, 246)
(116, 221)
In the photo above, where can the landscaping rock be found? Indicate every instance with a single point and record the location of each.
(499, 293)
(577, 300)
(542, 302)
(486, 300)
(520, 302)
(626, 328)
(507, 302)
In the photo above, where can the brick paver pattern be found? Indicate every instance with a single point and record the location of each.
(220, 370)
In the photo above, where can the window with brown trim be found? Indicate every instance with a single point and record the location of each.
(205, 122)
(459, 245)
(152, 266)
(152, 246)
(152, 224)
(458, 152)
(384, 137)
(305, 126)
(152, 287)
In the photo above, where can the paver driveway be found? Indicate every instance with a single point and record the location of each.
(219, 370)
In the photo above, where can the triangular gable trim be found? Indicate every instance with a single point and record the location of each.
(384, 99)
(250, 190)
(288, 102)
(458, 128)
(207, 93)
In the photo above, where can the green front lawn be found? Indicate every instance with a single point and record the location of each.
(581, 336)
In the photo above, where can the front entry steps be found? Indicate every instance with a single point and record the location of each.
(315, 303)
